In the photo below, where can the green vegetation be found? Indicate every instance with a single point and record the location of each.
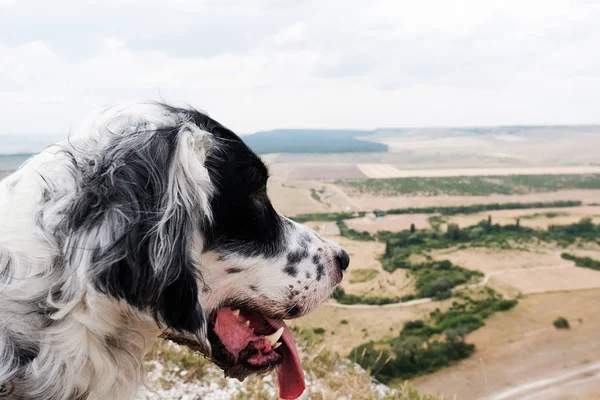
(363, 275)
(550, 214)
(449, 210)
(433, 279)
(424, 347)
(585, 262)
(344, 298)
(400, 245)
(474, 185)
(319, 331)
(312, 141)
(333, 216)
(437, 279)
(315, 195)
(353, 234)
(561, 323)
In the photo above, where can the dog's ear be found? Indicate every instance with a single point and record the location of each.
(134, 223)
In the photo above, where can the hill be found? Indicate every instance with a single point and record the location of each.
(312, 141)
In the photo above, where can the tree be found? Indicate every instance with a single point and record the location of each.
(489, 220)
(453, 232)
(561, 323)
(412, 228)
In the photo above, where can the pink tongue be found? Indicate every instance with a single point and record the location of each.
(290, 375)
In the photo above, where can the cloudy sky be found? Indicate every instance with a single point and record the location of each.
(264, 64)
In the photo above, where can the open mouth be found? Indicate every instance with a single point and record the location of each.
(245, 342)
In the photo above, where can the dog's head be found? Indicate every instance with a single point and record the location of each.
(172, 216)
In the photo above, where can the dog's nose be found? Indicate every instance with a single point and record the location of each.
(343, 260)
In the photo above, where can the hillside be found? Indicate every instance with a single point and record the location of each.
(312, 141)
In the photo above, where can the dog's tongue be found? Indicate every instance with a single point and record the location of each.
(290, 375)
(236, 336)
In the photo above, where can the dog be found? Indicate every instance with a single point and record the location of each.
(151, 219)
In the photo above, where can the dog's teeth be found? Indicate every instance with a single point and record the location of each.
(276, 345)
(236, 312)
(247, 323)
(274, 337)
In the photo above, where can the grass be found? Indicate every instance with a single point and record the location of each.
(584, 262)
(363, 275)
(473, 185)
(330, 376)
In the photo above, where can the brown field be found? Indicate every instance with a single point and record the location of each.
(535, 219)
(523, 346)
(532, 218)
(526, 272)
(392, 223)
(498, 260)
(363, 324)
(370, 202)
(379, 171)
(515, 348)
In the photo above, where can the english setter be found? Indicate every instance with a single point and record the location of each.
(150, 219)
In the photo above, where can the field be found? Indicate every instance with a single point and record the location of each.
(523, 348)
(516, 349)
(532, 272)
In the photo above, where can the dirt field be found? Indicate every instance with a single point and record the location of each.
(377, 171)
(392, 223)
(369, 202)
(526, 272)
(522, 347)
(537, 219)
(363, 324)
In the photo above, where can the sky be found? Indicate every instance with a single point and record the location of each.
(266, 64)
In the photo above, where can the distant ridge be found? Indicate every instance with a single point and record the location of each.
(327, 140)
(312, 141)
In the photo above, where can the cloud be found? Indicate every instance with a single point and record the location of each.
(266, 64)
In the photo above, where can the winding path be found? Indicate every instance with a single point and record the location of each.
(483, 282)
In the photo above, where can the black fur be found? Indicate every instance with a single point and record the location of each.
(126, 187)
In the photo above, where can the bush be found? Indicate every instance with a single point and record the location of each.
(437, 279)
(319, 331)
(561, 323)
(585, 262)
(342, 297)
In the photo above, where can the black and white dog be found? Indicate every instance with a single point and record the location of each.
(150, 219)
